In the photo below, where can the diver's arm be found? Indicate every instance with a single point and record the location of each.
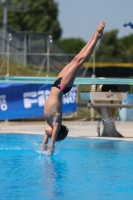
(53, 138)
(44, 142)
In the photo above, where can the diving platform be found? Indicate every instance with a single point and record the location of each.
(78, 80)
(105, 103)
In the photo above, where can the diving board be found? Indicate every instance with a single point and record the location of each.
(78, 81)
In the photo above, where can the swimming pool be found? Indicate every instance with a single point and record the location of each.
(81, 168)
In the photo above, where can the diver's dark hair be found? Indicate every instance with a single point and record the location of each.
(62, 134)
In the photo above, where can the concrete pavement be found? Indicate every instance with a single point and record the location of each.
(77, 128)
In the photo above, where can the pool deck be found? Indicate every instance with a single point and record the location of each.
(77, 128)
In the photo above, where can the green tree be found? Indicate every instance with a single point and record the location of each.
(127, 41)
(72, 45)
(41, 16)
(111, 49)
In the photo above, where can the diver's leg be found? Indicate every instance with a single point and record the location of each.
(74, 66)
(64, 70)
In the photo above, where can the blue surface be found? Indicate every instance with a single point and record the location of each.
(81, 168)
(21, 101)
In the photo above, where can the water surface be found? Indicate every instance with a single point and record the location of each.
(81, 168)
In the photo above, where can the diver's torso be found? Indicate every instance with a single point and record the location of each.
(53, 105)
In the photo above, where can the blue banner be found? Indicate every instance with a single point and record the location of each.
(19, 101)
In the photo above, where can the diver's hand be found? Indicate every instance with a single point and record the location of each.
(51, 150)
(44, 147)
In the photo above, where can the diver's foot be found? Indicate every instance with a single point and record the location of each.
(100, 28)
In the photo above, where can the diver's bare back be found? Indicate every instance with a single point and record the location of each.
(53, 106)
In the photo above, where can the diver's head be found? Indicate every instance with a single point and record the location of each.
(49, 130)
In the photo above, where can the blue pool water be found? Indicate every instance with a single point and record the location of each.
(84, 169)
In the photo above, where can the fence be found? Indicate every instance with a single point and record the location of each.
(40, 51)
(32, 49)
